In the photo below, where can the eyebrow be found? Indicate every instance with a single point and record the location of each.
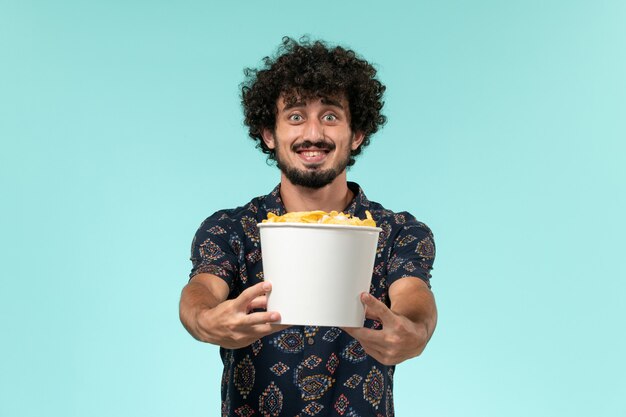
(325, 100)
(332, 102)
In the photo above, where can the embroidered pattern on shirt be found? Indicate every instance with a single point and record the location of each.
(244, 411)
(353, 381)
(244, 376)
(211, 250)
(354, 352)
(279, 368)
(312, 408)
(406, 240)
(312, 362)
(341, 405)
(217, 230)
(271, 401)
(289, 341)
(311, 387)
(331, 334)
(389, 402)
(374, 387)
(254, 256)
(250, 229)
(426, 248)
(333, 363)
(257, 345)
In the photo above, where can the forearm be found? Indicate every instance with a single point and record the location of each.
(420, 309)
(406, 326)
(209, 317)
(195, 300)
(413, 300)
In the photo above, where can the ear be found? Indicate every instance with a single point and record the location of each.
(268, 138)
(357, 140)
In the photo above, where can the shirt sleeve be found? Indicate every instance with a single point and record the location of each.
(412, 252)
(212, 251)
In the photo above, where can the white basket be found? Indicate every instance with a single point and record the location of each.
(318, 271)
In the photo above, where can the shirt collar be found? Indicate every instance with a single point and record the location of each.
(274, 204)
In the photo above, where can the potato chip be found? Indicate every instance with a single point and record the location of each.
(321, 217)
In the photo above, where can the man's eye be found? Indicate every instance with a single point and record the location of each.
(330, 117)
(295, 117)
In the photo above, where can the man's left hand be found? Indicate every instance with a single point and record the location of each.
(398, 340)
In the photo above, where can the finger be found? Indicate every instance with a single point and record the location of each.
(370, 340)
(262, 317)
(253, 292)
(278, 327)
(374, 352)
(368, 337)
(259, 302)
(359, 333)
(376, 309)
(262, 330)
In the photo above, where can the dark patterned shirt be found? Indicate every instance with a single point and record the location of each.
(307, 370)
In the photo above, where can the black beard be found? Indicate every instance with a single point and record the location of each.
(314, 179)
(311, 179)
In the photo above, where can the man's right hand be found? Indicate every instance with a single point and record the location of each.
(232, 324)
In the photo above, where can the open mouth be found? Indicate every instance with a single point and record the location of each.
(312, 156)
(312, 153)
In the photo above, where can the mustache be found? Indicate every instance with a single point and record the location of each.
(323, 145)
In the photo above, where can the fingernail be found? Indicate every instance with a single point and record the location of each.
(274, 316)
(267, 286)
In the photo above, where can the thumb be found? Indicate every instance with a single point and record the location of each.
(374, 308)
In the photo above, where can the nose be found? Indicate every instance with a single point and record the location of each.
(313, 130)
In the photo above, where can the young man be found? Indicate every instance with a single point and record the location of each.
(312, 109)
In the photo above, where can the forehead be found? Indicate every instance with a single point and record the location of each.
(286, 101)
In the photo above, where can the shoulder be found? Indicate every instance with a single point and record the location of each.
(402, 220)
(388, 220)
(235, 215)
(234, 219)
(402, 232)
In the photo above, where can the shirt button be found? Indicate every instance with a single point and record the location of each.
(311, 341)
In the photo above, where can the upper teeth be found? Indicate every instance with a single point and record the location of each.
(312, 153)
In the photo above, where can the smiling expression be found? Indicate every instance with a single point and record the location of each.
(312, 140)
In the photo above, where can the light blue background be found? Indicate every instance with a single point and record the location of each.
(121, 130)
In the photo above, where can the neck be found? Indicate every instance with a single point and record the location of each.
(334, 196)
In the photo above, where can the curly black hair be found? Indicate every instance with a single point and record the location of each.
(303, 70)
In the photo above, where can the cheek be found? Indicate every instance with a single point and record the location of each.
(286, 135)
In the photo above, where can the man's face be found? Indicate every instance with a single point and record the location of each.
(312, 140)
